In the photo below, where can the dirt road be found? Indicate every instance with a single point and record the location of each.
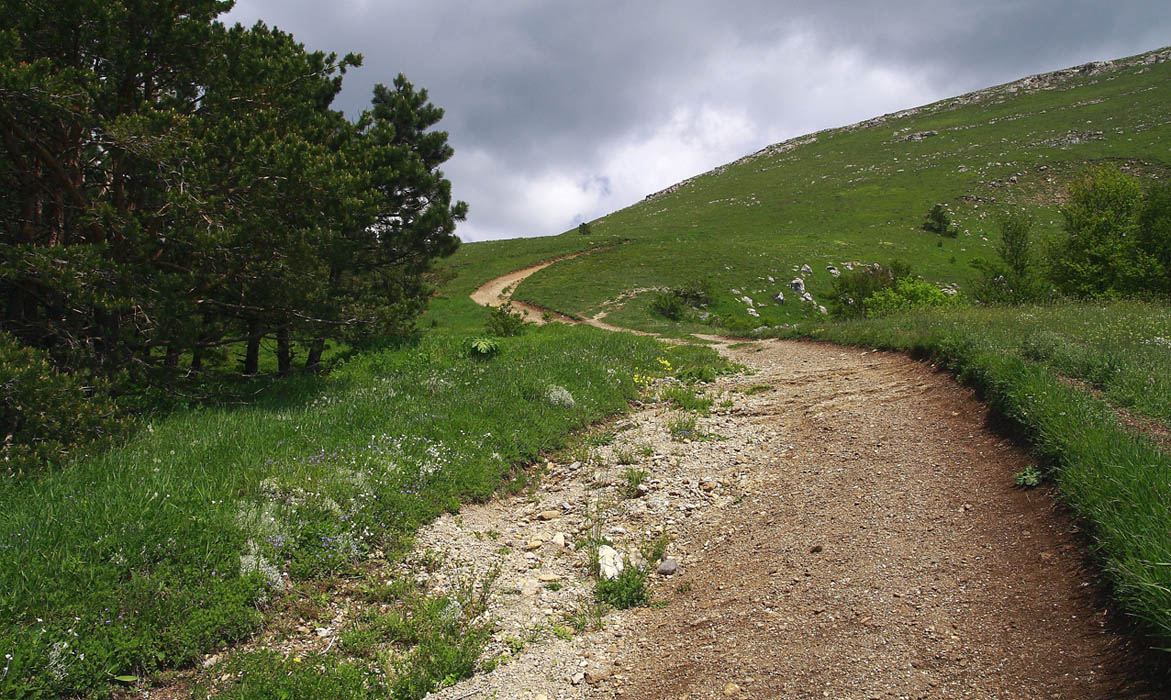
(846, 526)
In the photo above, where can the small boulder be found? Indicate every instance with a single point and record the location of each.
(833, 271)
(667, 567)
(797, 285)
(609, 562)
(779, 298)
(805, 269)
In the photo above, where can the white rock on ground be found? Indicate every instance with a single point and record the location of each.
(609, 562)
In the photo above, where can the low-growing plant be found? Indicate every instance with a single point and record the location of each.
(624, 454)
(654, 550)
(633, 478)
(46, 415)
(601, 438)
(587, 616)
(682, 426)
(482, 347)
(686, 399)
(1029, 477)
(626, 590)
(854, 287)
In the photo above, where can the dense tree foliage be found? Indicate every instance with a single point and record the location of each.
(171, 187)
(1117, 238)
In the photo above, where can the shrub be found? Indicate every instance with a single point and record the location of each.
(854, 287)
(45, 415)
(673, 303)
(908, 294)
(695, 292)
(1103, 254)
(1154, 231)
(505, 321)
(939, 221)
(668, 305)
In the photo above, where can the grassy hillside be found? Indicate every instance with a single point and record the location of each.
(861, 193)
(1086, 384)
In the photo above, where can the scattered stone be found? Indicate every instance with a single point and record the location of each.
(578, 678)
(797, 285)
(323, 631)
(833, 271)
(643, 489)
(917, 136)
(595, 675)
(731, 689)
(559, 539)
(533, 544)
(211, 661)
(816, 549)
(548, 578)
(748, 300)
(548, 514)
(609, 562)
(667, 567)
(805, 269)
(779, 298)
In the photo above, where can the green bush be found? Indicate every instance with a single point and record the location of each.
(1154, 231)
(854, 287)
(939, 221)
(1103, 254)
(505, 321)
(45, 415)
(908, 294)
(668, 305)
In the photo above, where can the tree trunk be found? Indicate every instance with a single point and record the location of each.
(313, 361)
(172, 359)
(284, 351)
(252, 356)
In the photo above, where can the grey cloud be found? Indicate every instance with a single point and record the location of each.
(549, 96)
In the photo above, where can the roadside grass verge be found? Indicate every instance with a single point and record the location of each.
(1117, 481)
(152, 554)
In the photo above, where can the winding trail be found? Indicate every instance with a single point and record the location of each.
(498, 292)
(846, 526)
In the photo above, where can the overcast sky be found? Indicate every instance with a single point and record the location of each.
(561, 112)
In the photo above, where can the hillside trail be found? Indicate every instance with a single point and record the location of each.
(844, 524)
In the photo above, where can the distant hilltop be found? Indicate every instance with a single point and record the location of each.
(1055, 80)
